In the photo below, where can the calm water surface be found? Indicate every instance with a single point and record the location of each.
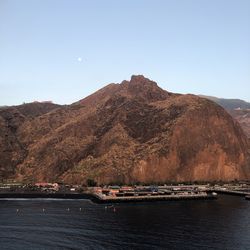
(80, 224)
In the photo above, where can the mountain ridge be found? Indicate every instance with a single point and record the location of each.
(129, 132)
(229, 103)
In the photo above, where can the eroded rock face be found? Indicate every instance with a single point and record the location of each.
(129, 132)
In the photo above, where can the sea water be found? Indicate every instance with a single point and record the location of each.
(80, 224)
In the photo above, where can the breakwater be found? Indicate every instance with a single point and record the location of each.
(33, 195)
(114, 199)
(231, 192)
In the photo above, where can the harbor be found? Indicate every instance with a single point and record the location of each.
(122, 194)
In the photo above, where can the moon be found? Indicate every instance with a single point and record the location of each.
(79, 59)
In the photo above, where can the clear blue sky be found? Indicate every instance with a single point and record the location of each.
(187, 46)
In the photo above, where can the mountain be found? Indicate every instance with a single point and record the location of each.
(229, 104)
(243, 117)
(239, 109)
(12, 151)
(125, 133)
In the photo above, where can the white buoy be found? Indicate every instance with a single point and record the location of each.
(68, 209)
(43, 209)
(80, 209)
(17, 210)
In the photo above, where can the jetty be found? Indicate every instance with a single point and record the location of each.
(117, 194)
(145, 198)
(44, 195)
(231, 192)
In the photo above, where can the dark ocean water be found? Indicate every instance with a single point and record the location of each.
(213, 224)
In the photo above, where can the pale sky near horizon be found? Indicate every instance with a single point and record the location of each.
(64, 50)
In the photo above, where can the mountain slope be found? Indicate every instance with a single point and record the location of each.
(130, 132)
(239, 109)
(12, 152)
(229, 104)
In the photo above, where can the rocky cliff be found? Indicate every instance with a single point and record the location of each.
(129, 132)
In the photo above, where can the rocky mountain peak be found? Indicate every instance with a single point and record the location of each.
(140, 79)
(144, 89)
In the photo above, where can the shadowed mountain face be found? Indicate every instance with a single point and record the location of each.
(243, 117)
(12, 151)
(238, 109)
(129, 132)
